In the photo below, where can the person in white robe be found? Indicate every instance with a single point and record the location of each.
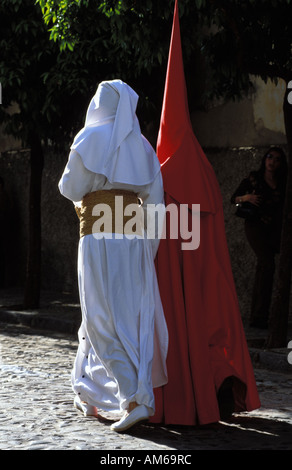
(123, 337)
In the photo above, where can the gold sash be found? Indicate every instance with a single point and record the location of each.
(110, 211)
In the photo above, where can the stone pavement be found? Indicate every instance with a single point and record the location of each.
(36, 410)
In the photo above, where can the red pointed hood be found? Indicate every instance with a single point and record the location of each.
(187, 174)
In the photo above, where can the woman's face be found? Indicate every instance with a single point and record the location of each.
(273, 161)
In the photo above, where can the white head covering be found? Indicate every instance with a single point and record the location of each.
(111, 142)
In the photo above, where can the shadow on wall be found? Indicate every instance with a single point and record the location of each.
(59, 224)
(13, 172)
(60, 227)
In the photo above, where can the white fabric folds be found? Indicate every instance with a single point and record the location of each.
(123, 338)
(111, 142)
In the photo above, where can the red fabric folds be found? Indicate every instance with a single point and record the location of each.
(206, 338)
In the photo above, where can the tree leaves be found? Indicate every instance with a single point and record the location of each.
(31, 69)
(92, 41)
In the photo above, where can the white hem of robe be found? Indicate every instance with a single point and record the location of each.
(123, 337)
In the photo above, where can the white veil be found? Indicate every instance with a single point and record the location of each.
(111, 142)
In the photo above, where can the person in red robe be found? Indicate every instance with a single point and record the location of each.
(210, 374)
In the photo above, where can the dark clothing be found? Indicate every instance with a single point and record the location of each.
(271, 207)
(5, 213)
(264, 238)
(264, 276)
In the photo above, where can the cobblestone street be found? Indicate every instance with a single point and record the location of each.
(37, 411)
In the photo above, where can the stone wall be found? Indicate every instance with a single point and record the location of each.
(231, 166)
(256, 120)
(60, 234)
(59, 223)
(15, 174)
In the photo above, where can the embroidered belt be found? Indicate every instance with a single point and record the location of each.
(110, 211)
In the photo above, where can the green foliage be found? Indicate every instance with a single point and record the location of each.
(235, 38)
(20, 58)
(124, 32)
(116, 39)
(60, 14)
(49, 86)
(52, 74)
(251, 37)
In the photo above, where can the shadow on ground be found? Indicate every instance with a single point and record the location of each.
(240, 433)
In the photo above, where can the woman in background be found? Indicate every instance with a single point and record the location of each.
(264, 189)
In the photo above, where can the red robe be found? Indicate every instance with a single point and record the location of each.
(206, 338)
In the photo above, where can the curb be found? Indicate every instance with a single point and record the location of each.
(272, 359)
(39, 321)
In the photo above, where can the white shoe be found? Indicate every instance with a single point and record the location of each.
(140, 413)
(87, 410)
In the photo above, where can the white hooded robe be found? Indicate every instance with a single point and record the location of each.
(123, 337)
